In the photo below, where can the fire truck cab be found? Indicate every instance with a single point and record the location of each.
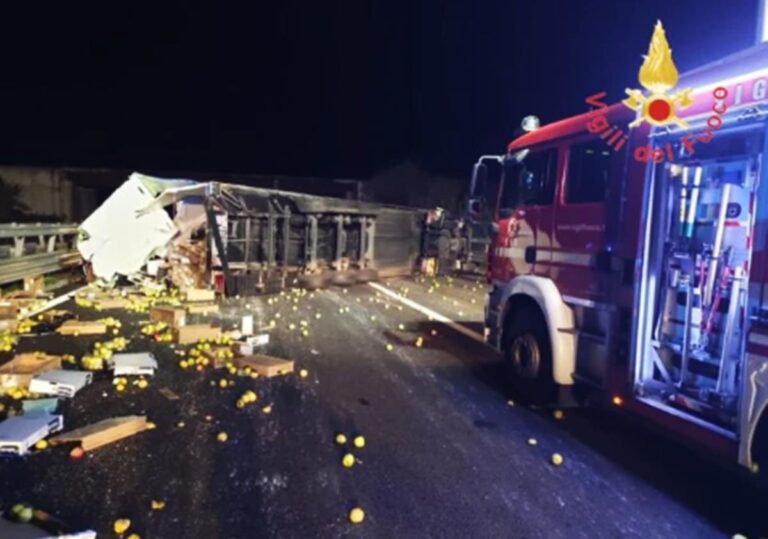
(639, 269)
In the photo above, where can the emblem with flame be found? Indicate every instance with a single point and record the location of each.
(658, 74)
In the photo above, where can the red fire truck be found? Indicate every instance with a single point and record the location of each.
(642, 277)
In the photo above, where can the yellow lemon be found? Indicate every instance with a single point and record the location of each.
(532, 441)
(341, 439)
(359, 442)
(303, 373)
(348, 460)
(557, 459)
(222, 437)
(356, 515)
(121, 525)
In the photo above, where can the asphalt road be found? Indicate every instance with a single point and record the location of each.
(445, 455)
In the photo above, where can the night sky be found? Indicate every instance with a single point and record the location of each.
(335, 89)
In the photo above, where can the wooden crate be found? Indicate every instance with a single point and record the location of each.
(112, 303)
(104, 432)
(199, 294)
(194, 332)
(20, 370)
(202, 308)
(266, 366)
(72, 327)
(173, 316)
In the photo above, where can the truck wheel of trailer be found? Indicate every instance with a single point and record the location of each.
(367, 274)
(313, 282)
(344, 278)
(528, 356)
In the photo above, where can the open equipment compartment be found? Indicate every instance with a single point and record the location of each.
(698, 237)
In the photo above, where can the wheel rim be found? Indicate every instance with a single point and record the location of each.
(526, 356)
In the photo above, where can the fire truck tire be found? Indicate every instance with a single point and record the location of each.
(528, 356)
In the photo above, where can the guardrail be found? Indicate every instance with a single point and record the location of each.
(28, 249)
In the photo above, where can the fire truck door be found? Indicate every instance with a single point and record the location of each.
(579, 234)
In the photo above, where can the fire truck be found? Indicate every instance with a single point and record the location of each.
(640, 274)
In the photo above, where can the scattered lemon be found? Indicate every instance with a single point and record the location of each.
(121, 525)
(25, 514)
(222, 437)
(558, 414)
(532, 441)
(341, 439)
(303, 373)
(41, 444)
(359, 442)
(134, 536)
(223, 383)
(557, 459)
(356, 515)
(348, 460)
(390, 347)
(267, 409)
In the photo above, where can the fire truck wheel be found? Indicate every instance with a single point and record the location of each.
(528, 357)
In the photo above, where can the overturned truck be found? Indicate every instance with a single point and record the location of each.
(243, 240)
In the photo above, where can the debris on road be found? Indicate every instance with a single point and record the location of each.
(356, 515)
(134, 364)
(77, 328)
(193, 333)
(104, 432)
(60, 382)
(266, 366)
(19, 433)
(172, 316)
(20, 370)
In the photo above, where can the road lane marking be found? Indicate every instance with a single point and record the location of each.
(429, 312)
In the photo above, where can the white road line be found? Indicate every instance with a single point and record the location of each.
(429, 312)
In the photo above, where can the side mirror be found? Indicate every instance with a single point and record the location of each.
(479, 177)
(475, 208)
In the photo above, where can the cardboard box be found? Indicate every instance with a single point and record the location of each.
(173, 316)
(195, 332)
(267, 366)
(77, 327)
(202, 308)
(20, 370)
(199, 294)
